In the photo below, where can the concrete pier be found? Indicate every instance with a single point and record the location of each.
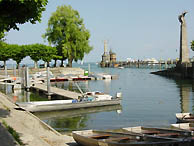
(31, 129)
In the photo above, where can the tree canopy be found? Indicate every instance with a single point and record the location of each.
(35, 51)
(4, 52)
(13, 12)
(67, 32)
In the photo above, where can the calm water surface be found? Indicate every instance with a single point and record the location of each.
(148, 100)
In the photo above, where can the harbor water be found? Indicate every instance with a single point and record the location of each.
(147, 100)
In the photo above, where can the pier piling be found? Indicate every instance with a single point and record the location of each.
(48, 84)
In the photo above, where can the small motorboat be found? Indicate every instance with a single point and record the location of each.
(102, 138)
(162, 132)
(185, 117)
(98, 95)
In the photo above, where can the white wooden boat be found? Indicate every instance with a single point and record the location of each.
(185, 117)
(184, 126)
(101, 138)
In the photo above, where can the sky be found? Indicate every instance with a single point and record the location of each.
(137, 29)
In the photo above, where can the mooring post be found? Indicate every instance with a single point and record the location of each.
(14, 71)
(48, 84)
(27, 96)
(23, 77)
(88, 69)
(5, 70)
(27, 80)
(165, 64)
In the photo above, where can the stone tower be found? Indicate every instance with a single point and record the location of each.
(184, 50)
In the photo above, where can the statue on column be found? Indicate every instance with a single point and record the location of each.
(184, 50)
(181, 17)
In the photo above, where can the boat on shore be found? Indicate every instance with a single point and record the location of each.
(184, 117)
(102, 138)
(161, 132)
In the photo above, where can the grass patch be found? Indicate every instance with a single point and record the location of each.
(13, 133)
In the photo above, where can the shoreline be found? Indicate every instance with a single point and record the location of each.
(31, 129)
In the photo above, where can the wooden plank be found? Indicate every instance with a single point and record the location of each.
(57, 91)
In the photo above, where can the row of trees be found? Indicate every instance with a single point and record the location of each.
(65, 31)
(35, 51)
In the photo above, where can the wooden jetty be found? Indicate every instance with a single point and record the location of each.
(56, 91)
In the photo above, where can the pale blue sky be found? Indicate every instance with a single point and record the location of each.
(137, 29)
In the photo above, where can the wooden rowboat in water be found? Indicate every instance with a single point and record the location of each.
(185, 126)
(185, 117)
(101, 138)
(161, 132)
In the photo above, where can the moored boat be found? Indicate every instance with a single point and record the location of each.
(101, 138)
(185, 117)
(185, 126)
(43, 106)
(162, 132)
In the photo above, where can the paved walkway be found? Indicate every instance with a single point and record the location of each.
(32, 131)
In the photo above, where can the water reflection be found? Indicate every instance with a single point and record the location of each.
(71, 85)
(69, 120)
(186, 97)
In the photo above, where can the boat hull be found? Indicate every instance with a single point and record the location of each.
(67, 106)
(88, 138)
(185, 117)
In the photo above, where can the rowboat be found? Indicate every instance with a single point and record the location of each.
(162, 132)
(185, 126)
(102, 138)
(185, 117)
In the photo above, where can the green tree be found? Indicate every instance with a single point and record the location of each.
(67, 32)
(2, 35)
(17, 53)
(192, 45)
(35, 52)
(5, 52)
(14, 12)
(48, 53)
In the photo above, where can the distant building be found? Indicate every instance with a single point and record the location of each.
(108, 58)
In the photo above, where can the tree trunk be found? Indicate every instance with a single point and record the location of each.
(4, 64)
(48, 65)
(35, 64)
(55, 64)
(70, 60)
(62, 63)
(17, 65)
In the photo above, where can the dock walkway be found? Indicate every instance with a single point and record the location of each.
(57, 91)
